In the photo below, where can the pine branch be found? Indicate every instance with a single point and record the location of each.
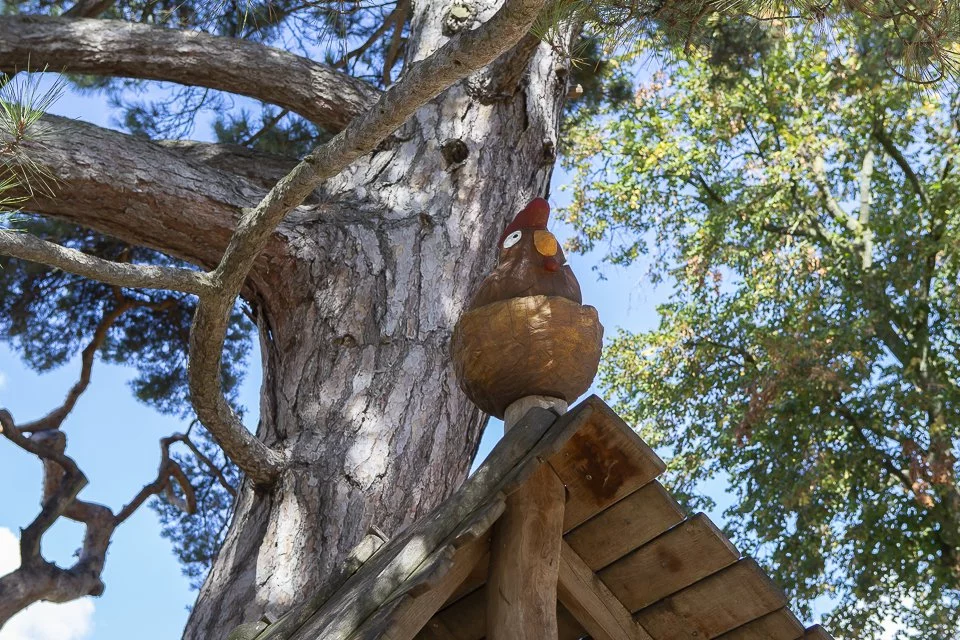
(25, 246)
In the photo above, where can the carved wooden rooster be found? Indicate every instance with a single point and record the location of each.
(525, 332)
(531, 262)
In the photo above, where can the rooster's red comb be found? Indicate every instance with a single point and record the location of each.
(533, 216)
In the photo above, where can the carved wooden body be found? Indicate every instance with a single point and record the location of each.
(533, 345)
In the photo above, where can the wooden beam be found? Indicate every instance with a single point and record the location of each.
(525, 558)
(816, 632)
(511, 462)
(592, 603)
(603, 462)
(525, 561)
(413, 613)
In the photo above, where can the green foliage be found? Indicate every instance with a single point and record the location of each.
(802, 197)
(22, 104)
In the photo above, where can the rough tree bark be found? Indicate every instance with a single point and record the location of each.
(355, 297)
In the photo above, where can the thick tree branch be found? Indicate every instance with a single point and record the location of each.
(455, 60)
(28, 247)
(319, 93)
(145, 193)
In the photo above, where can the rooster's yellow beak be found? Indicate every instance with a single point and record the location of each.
(545, 242)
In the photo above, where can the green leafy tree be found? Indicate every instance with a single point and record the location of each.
(802, 196)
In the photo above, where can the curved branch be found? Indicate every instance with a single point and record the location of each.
(25, 246)
(454, 61)
(212, 469)
(319, 93)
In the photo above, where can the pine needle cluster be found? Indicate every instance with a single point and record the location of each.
(23, 101)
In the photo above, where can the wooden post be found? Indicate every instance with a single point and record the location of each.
(525, 549)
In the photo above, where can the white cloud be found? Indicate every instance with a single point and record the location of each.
(43, 620)
(3, 379)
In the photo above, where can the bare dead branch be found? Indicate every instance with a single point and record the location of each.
(459, 57)
(36, 579)
(168, 470)
(398, 19)
(55, 418)
(25, 246)
(55, 504)
(363, 48)
(319, 93)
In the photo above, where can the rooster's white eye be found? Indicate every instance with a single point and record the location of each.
(512, 239)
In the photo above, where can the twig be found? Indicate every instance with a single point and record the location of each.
(213, 469)
(55, 418)
(881, 135)
(167, 471)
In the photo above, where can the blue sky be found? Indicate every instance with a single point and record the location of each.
(115, 441)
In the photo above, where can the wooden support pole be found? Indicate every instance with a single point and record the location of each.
(525, 550)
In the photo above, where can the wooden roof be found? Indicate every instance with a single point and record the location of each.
(633, 565)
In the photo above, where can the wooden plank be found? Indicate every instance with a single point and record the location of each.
(689, 552)
(463, 550)
(368, 546)
(591, 603)
(415, 608)
(779, 625)
(514, 458)
(524, 561)
(628, 524)
(601, 463)
(816, 632)
(727, 599)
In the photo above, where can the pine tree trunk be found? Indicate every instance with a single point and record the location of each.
(358, 387)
